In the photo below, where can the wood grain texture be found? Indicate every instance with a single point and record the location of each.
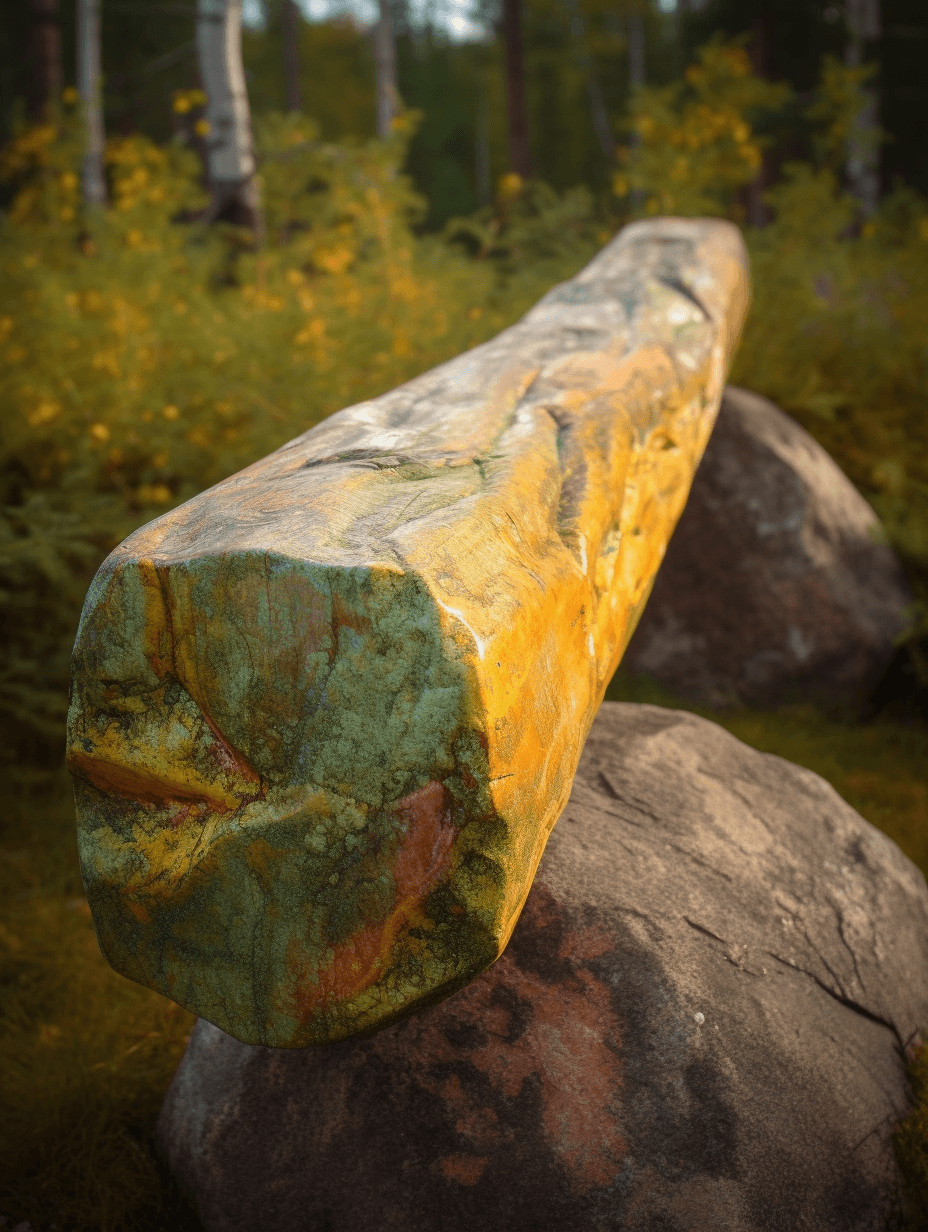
(326, 714)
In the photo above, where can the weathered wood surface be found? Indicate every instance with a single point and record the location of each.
(326, 714)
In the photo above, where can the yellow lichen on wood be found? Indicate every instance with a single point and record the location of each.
(325, 715)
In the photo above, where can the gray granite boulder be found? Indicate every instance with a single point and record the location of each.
(775, 584)
(698, 1026)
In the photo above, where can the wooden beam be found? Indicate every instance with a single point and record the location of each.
(326, 713)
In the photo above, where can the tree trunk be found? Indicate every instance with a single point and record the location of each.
(761, 46)
(863, 151)
(636, 77)
(230, 156)
(598, 111)
(44, 57)
(90, 88)
(515, 89)
(482, 152)
(292, 55)
(385, 660)
(636, 81)
(388, 98)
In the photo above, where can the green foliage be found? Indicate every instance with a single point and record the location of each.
(85, 1055)
(337, 75)
(836, 333)
(530, 226)
(697, 142)
(144, 359)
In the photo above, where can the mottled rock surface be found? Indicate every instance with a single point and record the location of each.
(697, 1025)
(775, 583)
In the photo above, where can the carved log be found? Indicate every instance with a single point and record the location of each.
(326, 714)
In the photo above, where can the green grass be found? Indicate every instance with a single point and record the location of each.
(86, 1056)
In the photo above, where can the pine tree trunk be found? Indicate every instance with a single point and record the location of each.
(636, 76)
(90, 88)
(636, 81)
(44, 57)
(863, 151)
(385, 56)
(761, 45)
(483, 178)
(230, 156)
(511, 27)
(292, 55)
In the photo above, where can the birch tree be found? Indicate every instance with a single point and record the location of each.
(229, 149)
(385, 56)
(90, 88)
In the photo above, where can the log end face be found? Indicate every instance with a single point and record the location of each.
(229, 861)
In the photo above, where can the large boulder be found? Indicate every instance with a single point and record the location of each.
(698, 1025)
(776, 583)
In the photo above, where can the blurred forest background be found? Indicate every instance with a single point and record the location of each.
(414, 192)
(420, 177)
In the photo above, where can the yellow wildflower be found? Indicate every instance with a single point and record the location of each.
(333, 260)
(69, 96)
(170, 412)
(510, 185)
(44, 413)
(313, 330)
(182, 104)
(99, 432)
(202, 128)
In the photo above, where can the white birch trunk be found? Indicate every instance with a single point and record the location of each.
(385, 56)
(229, 148)
(863, 151)
(90, 88)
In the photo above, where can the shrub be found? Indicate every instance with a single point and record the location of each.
(145, 358)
